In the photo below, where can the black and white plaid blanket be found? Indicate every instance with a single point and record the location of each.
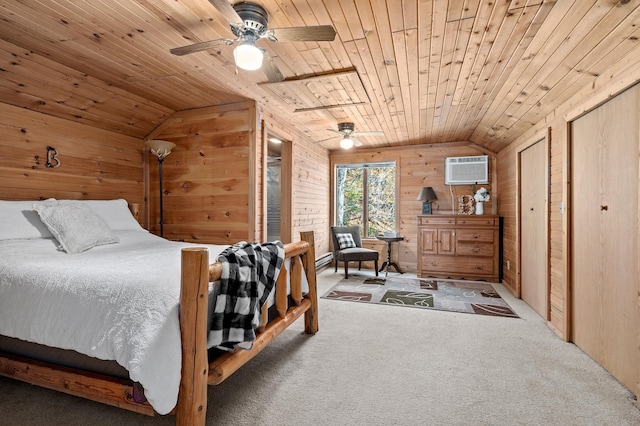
(249, 272)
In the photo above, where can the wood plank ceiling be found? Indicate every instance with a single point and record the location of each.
(434, 71)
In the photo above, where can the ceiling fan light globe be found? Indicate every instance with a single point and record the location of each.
(248, 56)
(346, 143)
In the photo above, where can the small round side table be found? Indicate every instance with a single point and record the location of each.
(388, 263)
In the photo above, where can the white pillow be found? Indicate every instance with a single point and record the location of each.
(75, 225)
(116, 214)
(18, 221)
(345, 241)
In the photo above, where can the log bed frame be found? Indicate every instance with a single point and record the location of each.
(197, 371)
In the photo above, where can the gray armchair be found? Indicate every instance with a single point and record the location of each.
(351, 254)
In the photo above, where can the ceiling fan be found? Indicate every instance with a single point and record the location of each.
(347, 130)
(248, 23)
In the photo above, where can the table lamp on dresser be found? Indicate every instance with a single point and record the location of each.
(426, 196)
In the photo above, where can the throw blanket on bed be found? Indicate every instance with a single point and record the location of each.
(249, 272)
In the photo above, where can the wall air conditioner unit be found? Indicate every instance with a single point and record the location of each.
(466, 170)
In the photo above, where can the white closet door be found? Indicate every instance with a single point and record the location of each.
(604, 242)
(533, 230)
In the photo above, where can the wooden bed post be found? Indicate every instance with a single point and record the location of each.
(192, 397)
(309, 262)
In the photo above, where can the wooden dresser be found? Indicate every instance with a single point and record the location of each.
(458, 246)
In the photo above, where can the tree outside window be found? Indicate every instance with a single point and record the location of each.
(366, 197)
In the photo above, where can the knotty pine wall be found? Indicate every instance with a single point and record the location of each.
(310, 187)
(209, 177)
(94, 163)
(418, 166)
(213, 179)
(619, 76)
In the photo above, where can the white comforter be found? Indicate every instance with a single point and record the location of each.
(115, 302)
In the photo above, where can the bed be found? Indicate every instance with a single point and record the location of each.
(83, 279)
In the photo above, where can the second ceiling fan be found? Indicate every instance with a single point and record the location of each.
(248, 22)
(347, 130)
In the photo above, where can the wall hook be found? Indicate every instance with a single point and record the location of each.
(52, 158)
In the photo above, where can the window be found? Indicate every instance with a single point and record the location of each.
(366, 197)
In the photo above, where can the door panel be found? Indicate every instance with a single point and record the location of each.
(604, 232)
(533, 231)
(445, 241)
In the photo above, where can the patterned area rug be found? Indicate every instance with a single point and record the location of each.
(446, 295)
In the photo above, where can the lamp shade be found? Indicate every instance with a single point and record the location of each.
(346, 143)
(160, 148)
(427, 194)
(248, 56)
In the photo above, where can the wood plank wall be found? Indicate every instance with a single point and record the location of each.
(620, 76)
(311, 194)
(212, 180)
(94, 163)
(418, 166)
(39, 84)
(207, 178)
(310, 188)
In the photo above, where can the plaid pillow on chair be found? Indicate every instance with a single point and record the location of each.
(345, 241)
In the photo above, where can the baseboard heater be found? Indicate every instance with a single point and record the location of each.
(324, 260)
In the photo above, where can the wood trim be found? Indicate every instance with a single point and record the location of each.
(254, 159)
(286, 177)
(566, 334)
(264, 139)
(286, 195)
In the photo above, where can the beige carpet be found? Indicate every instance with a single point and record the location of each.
(375, 365)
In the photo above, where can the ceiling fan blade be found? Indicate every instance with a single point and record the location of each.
(356, 142)
(227, 11)
(313, 33)
(198, 47)
(273, 73)
(376, 133)
(328, 139)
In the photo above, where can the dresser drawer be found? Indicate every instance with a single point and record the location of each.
(475, 235)
(435, 220)
(477, 221)
(474, 249)
(457, 266)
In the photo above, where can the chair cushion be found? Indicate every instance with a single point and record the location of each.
(345, 241)
(357, 254)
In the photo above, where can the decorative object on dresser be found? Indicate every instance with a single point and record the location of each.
(481, 196)
(466, 204)
(160, 149)
(426, 196)
(455, 247)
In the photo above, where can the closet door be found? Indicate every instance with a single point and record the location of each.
(533, 229)
(604, 235)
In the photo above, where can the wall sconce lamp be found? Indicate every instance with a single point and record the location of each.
(52, 158)
(426, 196)
(160, 149)
(247, 55)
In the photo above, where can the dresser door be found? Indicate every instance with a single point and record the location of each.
(446, 241)
(428, 241)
